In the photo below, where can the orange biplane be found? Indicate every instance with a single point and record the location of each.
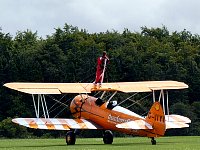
(100, 113)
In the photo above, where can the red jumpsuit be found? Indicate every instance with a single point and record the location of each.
(100, 68)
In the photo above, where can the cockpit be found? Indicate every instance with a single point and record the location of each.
(110, 105)
(99, 102)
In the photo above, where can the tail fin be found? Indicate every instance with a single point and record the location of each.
(156, 118)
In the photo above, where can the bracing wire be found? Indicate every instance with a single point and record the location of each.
(59, 113)
(137, 102)
(127, 98)
(58, 101)
(57, 108)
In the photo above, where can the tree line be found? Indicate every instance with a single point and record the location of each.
(70, 54)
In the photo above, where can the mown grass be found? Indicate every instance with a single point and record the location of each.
(138, 143)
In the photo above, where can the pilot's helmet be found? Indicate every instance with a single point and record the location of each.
(114, 103)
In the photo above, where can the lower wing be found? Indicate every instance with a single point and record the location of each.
(56, 124)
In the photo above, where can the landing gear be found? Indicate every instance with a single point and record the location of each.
(153, 141)
(107, 137)
(70, 138)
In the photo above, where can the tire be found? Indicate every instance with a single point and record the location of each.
(153, 142)
(70, 138)
(107, 137)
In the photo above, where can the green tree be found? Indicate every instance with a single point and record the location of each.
(11, 130)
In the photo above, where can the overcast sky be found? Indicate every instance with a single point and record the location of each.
(98, 15)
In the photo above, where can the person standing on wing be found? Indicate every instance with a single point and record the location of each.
(101, 66)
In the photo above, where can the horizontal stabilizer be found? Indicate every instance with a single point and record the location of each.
(176, 121)
(137, 124)
(176, 125)
(56, 124)
(177, 118)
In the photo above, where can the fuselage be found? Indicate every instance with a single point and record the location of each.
(106, 115)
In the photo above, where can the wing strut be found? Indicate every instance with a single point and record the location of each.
(168, 105)
(36, 113)
(112, 96)
(165, 100)
(40, 99)
(154, 99)
(103, 94)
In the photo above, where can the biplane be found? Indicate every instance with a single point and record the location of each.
(104, 114)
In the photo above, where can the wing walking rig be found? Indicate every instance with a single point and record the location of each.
(93, 113)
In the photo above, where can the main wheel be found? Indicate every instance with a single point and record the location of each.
(70, 138)
(107, 137)
(153, 141)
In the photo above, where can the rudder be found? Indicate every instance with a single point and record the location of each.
(156, 118)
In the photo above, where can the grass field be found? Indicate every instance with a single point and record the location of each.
(138, 143)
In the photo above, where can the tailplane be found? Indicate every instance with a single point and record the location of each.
(176, 121)
(156, 118)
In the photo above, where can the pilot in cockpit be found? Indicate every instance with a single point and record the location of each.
(111, 104)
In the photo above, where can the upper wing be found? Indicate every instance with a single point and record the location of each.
(59, 88)
(56, 124)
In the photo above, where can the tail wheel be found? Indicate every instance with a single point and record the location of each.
(153, 141)
(107, 137)
(70, 138)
